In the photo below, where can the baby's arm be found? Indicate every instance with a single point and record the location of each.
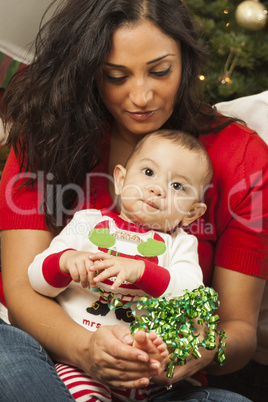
(107, 266)
(183, 271)
(45, 273)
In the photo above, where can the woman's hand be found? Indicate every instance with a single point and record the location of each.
(115, 362)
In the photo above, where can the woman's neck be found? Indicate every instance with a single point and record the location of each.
(121, 146)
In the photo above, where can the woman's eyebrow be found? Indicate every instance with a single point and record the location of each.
(160, 58)
(148, 62)
(114, 65)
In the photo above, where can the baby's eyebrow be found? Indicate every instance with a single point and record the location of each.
(148, 160)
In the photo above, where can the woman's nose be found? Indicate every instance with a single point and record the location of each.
(140, 94)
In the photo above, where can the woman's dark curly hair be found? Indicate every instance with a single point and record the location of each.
(57, 113)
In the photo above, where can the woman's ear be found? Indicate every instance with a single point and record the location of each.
(198, 209)
(119, 178)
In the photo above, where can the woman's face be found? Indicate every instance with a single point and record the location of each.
(141, 77)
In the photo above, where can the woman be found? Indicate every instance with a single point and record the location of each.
(105, 74)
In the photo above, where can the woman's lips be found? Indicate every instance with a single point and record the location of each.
(141, 115)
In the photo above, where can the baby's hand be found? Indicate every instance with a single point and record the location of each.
(125, 269)
(77, 264)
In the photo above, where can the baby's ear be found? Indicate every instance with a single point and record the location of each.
(197, 209)
(119, 178)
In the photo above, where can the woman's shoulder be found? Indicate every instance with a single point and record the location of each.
(235, 146)
(232, 134)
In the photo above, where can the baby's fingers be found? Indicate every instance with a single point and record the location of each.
(91, 276)
(107, 273)
(118, 282)
(78, 273)
(101, 265)
(100, 256)
(74, 273)
(83, 276)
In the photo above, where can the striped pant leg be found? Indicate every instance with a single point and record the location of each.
(82, 387)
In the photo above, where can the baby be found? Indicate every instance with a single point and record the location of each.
(140, 250)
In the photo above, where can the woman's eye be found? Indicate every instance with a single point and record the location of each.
(148, 172)
(115, 80)
(162, 73)
(178, 186)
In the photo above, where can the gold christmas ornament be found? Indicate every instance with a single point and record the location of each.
(225, 79)
(251, 15)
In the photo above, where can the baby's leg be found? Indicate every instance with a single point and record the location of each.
(152, 344)
(81, 386)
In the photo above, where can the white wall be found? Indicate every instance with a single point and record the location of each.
(19, 22)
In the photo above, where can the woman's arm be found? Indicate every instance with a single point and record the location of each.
(37, 315)
(240, 298)
(106, 353)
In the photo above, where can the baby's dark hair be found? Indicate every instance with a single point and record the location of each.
(185, 140)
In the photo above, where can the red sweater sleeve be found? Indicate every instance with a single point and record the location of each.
(154, 280)
(20, 208)
(236, 221)
(52, 272)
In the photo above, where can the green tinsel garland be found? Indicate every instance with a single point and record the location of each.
(172, 320)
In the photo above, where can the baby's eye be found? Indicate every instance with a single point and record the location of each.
(178, 186)
(148, 172)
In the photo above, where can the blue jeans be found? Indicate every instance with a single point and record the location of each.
(27, 374)
(187, 392)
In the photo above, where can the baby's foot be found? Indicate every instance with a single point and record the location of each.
(152, 344)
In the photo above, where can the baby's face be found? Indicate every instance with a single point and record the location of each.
(162, 183)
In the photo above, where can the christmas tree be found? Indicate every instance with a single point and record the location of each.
(236, 35)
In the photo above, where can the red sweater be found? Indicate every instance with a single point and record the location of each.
(233, 233)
